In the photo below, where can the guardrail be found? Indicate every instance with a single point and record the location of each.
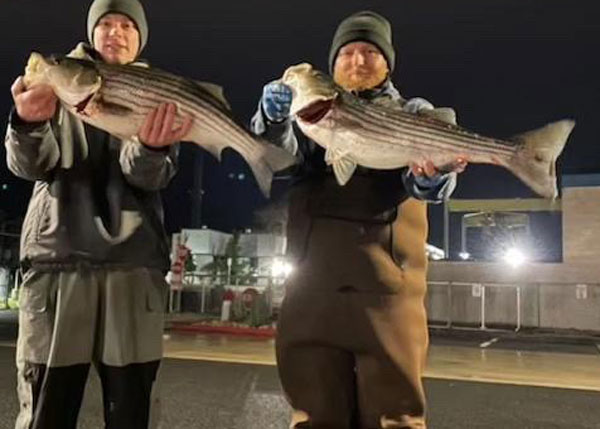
(511, 306)
(196, 282)
(478, 290)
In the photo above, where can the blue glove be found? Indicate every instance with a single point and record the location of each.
(430, 182)
(276, 101)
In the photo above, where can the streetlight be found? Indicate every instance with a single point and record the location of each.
(514, 257)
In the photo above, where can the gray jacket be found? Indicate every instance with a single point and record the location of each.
(311, 157)
(96, 198)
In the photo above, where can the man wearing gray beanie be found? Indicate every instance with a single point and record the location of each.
(94, 251)
(352, 331)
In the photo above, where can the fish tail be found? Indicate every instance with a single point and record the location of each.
(263, 158)
(276, 157)
(534, 162)
(267, 162)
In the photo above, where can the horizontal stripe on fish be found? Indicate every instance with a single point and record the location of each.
(159, 93)
(169, 92)
(424, 138)
(399, 116)
(145, 76)
(412, 122)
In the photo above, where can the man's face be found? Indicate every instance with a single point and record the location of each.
(117, 39)
(360, 66)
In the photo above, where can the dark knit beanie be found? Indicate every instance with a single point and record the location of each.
(130, 8)
(365, 26)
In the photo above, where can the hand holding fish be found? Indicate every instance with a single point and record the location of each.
(430, 170)
(35, 104)
(160, 129)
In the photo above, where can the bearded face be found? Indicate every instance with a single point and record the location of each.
(360, 66)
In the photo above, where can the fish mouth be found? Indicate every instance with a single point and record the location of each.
(315, 111)
(83, 104)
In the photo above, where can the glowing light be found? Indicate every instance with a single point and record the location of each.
(281, 269)
(514, 257)
(464, 255)
(434, 253)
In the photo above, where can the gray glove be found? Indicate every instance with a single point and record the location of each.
(415, 105)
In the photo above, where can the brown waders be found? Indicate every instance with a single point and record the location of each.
(352, 336)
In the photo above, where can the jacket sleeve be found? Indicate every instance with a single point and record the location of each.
(433, 190)
(280, 134)
(32, 149)
(147, 168)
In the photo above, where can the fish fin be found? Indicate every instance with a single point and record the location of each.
(535, 159)
(277, 158)
(209, 141)
(215, 90)
(264, 158)
(343, 167)
(80, 52)
(442, 114)
(213, 149)
(271, 160)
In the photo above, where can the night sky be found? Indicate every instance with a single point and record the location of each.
(506, 66)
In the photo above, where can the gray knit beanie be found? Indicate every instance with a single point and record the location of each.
(365, 26)
(130, 8)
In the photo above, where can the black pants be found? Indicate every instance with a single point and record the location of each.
(57, 394)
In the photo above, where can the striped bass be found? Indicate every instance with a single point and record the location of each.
(117, 99)
(354, 132)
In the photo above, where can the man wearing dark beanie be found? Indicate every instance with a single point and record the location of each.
(94, 251)
(352, 332)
